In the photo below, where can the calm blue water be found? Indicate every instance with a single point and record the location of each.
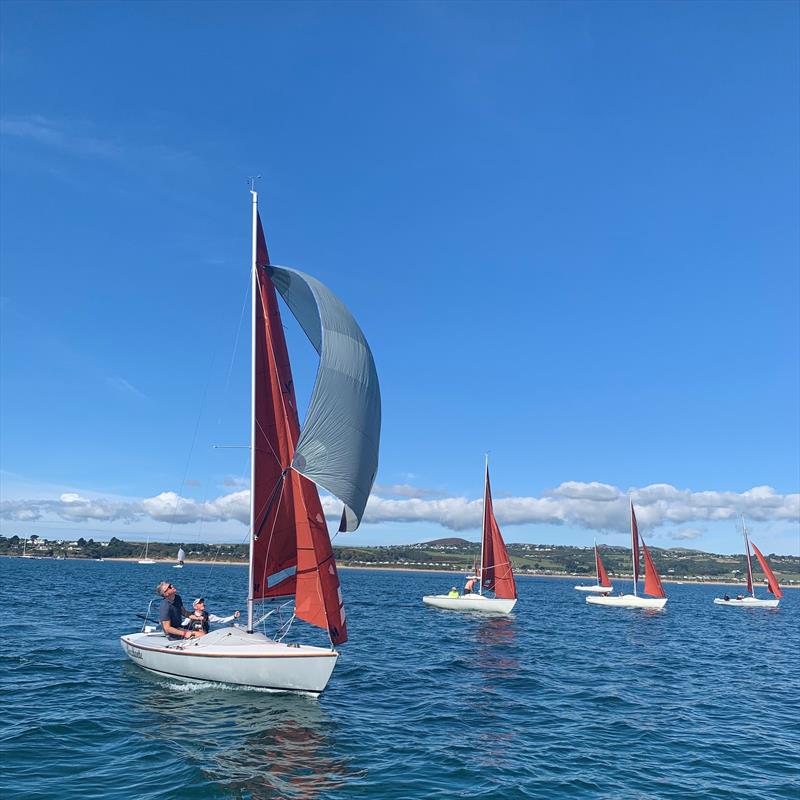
(558, 700)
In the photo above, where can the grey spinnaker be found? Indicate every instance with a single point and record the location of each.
(338, 445)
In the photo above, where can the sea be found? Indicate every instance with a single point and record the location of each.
(557, 700)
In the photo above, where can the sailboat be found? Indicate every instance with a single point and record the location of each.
(772, 582)
(652, 583)
(181, 559)
(290, 549)
(603, 584)
(144, 559)
(495, 571)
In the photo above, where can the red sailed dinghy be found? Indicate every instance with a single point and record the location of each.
(291, 558)
(603, 585)
(652, 582)
(495, 573)
(743, 601)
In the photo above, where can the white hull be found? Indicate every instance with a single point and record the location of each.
(146, 561)
(595, 588)
(230, 655)
(628, 601)
(474, 602)
(177, 566)
(747, 602)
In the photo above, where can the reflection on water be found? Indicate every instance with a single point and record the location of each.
(495, 647)
(498, 666)
(259, 745)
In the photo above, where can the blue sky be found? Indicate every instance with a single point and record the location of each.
(569, 231)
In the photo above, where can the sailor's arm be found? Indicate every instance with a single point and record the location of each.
(173, 631)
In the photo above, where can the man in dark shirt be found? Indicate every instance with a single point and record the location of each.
(172, 613)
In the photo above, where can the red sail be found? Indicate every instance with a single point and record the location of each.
(772, 581)
(602, 575)
(292, 553)
(497, 574)
(635, 547)
(652, 583)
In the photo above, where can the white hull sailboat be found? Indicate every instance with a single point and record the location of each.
(233, 656)
(772, 582)
(144, 559)
(290, 548)
(746, 602)
(603, 585)
(181, 559)
(652, 583)
(495, 573)
(628, 601)
(470, 602)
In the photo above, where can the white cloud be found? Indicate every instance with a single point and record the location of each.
(59, 136)
(686, 534)
(592, 506)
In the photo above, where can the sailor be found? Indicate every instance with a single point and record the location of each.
(200, 619)
(172, 611)
(726, 597)
(469, 585)
(453, 592)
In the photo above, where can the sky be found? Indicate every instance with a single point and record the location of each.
(570, 232)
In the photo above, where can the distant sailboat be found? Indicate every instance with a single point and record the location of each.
(181, 558)
(495, 573)
(291, 557)
(772, 582)
(603, 583)
(652, 583)
(144, 559)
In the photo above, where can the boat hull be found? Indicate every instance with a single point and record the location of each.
(628, 601)
(595, 588)
(232, 656)
(747, 602)
(477, 602)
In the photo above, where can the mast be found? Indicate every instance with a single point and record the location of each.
(750, 585)
(253, 290)
(596, 563)
(483, 531)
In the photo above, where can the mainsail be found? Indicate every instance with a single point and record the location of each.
(497, 575)
(602, 575)
(337, 449)
(635, 548)
(772, 581)
(181, 555)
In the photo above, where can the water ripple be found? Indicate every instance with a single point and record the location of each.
(559, 699)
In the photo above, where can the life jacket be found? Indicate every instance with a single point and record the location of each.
(199, 624)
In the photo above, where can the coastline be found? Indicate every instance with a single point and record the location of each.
(169, 563)
(691, 582)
